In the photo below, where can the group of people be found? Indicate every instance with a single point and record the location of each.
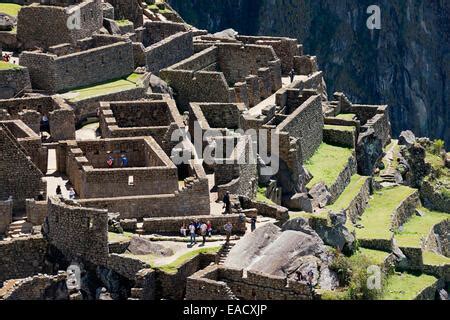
(123, 161)
(203, 229)
(6, 57)
(197, 228)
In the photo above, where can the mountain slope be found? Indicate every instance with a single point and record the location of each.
(405, 64)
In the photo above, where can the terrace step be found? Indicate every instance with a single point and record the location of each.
(19, 228)
(223, 253)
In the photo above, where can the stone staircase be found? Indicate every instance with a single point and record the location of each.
(223, 253)
(229, 294)
(19, 228)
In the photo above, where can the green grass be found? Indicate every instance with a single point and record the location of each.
(431, 258)
(261, 196)
(8, 66)
(339, 128)
(102, 89)
(10, 9)
(376, 256)
(175, 265)
(406, 286)
(307, 215)
(119, 237)
(376, 219)
(418, 227)
(327, 163)
(352, 190)
(346, 116)
(123, 22)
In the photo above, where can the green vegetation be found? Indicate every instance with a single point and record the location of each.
(261, 195)
(433, 259)
(327, 163)
(8, 66)
(119, 237)
(405, 286)
(131, 82)
(438, 146)
(353, 274)
(177, 263)
(352, 190)
(322, 215)
(10, 9)
(123, 22)
(375, 256)
(339, 128)
(346, 116)
(418, 227)
(174, 266)
(376, 219)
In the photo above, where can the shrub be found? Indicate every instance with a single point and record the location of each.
(353, 273)
(438, 146)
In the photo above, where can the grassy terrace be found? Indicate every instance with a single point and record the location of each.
(119, 237)
(352, 190)
(339, 128)
(417, 228)
(327, 163)
(8, 66)
(405, 286)
(376, 256)
(128, 83)
(433, 259)
(10, 9)
(261, 196)
(123, 22)
(346, 116)
(177, 263)
(376, 219)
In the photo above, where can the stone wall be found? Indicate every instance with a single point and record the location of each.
(128, 9)
(343, 179)
(56, 21)
(172, 225)
(360, 202)
(125, 266)
(87, 67)
(38, 287)
(157, 31)
(434, 199)
(339, 137)
(36, 211)
(221, 283)
(169, 51)
(19, 176)
(14, 81)
(264, 209)
(5, 215)
(405, 210)
(78, 232)
(23, 257)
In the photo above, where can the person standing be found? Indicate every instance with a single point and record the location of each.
(110, 161)
(227, 202)
(228, 229)
(253, 224)
(183, 230)
(124, 160)
(203, 231)
(71, 193)
(58, 190)
(292, 75)
(209, 228)
(192, 233)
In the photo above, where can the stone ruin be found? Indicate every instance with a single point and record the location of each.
(134, 75)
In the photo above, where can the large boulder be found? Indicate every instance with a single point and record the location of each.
(158, 85)
(369, 151)
(141, 246)
(320, 195)
(7, 22)
(406, 138)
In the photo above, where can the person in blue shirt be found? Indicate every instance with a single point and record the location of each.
(124, 160)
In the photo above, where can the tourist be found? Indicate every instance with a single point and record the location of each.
(58, 190)
(124, 160)
(192, 233)
(209, 228)
(292, 75)
(40, 197)
(228, 229)
(227, 202)
(110, 161)
(183, 230)
(242, 217)
(253, 223)
(203, 231)
(71, 193)
(45, 125)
